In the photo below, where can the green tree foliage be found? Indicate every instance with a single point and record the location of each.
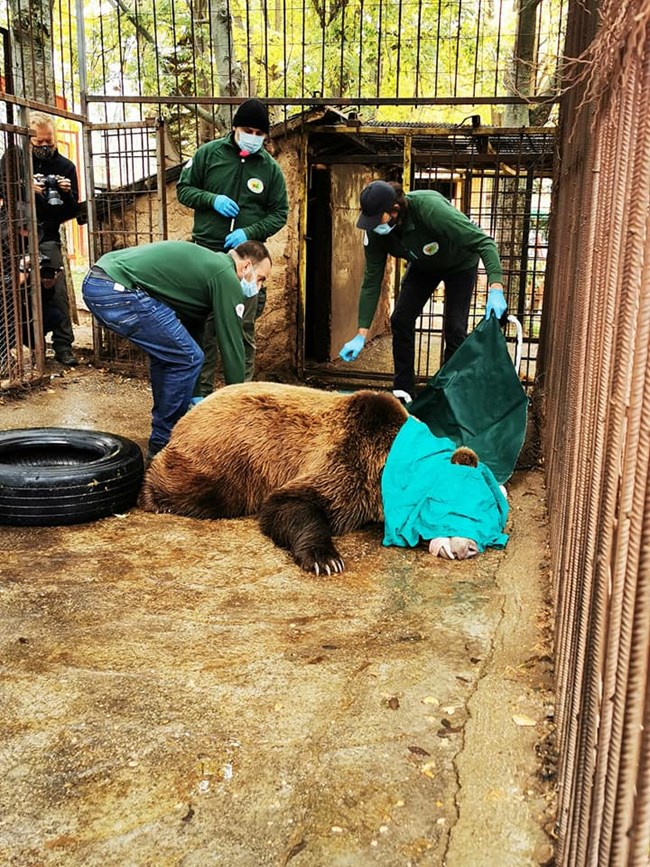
(350, 49)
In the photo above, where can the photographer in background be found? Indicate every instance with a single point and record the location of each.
(57, 196)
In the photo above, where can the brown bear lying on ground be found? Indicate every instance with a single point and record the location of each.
(307, 462)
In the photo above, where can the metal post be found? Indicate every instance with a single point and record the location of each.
(81, 51)
(161, 178)
(302, 259)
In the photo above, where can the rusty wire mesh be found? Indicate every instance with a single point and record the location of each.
(21, 350)
(596, 359)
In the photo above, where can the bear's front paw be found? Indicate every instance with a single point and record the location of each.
(321, 560)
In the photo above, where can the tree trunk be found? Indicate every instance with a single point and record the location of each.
(230, 75)
(32, 59)
(523, 63)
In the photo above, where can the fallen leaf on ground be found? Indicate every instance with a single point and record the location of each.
(419, 751)
(521, 719)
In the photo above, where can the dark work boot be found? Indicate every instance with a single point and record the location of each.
(67, 357)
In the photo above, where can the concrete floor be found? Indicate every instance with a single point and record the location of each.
(177, 692)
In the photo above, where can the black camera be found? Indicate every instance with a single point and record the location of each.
(51, 191)
(45, 267)
(48, 271)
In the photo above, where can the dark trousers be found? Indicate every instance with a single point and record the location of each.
(415, 290)
(62, 333)
(205, 383)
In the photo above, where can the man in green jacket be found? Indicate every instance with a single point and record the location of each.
(441, 244)
(238, 193)
(142, 293)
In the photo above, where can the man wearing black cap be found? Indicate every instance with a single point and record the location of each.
(441, 244)
(238, 193)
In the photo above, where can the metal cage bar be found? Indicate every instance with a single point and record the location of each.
(595, 366)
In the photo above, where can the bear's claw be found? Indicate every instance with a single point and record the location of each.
(331, 566)
(320, 561)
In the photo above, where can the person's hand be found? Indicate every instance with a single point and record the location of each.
(64, 184)
(352, 348)
(496, 303)
(39, 186)
(234, 239)
(226, 206)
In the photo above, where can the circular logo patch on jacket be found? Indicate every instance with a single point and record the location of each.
(255, 185)
(431, 248)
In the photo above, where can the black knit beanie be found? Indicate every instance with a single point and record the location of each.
(252, 113)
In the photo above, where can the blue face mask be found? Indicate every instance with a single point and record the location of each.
(249, 142)
(249, 285)
(383, 228)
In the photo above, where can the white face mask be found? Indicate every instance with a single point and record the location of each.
(249, 142)
(249, 285)
(383, 229)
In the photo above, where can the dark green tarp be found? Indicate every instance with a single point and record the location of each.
(477, 400)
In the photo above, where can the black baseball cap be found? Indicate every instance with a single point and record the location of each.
(376, 199)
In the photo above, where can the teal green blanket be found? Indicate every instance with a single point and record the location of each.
(426, 496)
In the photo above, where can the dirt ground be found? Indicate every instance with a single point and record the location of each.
(178, 692)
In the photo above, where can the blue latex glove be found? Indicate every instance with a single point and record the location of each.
(352, 348)
(194, 401)
(496, 302)
(226, 206)
(234, 239)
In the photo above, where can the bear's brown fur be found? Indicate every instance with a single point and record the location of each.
(307, 462)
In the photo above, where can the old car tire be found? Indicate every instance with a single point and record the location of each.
(51, 476)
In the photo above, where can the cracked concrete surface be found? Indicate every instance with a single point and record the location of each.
(177, 692)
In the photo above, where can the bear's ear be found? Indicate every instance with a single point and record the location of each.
(466, 457)
(370, 411)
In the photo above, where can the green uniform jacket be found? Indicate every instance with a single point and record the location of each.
(256, 183)
(437, 236)
(192, 281)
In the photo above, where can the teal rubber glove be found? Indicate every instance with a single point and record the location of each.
(234, 239)
(226, 206)
(194, 401)
(352, 348)
(496, 303)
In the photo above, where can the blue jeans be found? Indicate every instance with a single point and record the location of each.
(175, 359)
